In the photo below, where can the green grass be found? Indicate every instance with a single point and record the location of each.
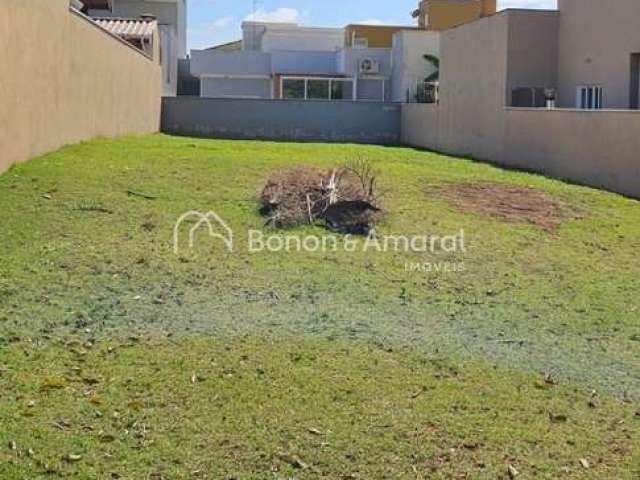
(405, 375)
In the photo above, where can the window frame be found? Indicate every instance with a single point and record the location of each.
(330, 81)
(589, 97)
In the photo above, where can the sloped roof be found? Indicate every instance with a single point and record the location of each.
(128, 28)
(227, 47)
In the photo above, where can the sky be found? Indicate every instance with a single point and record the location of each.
(212, 22)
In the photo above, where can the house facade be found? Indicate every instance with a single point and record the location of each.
(599, 53)
(585, 55)
(550, 91)
(171, 16)
(288, 61)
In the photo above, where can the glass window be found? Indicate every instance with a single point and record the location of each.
(293, 89)
(590, 97)
(360, 43)
(318, 90)
(341, 90)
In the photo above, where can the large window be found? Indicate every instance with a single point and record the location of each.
(589, 97)
(318, 89)
(342, 90)
(315, 88)
(293, 89)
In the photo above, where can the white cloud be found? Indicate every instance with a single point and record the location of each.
(542, 4)
(370, 21)
(222, 22)
(207, 34)
(280, 15)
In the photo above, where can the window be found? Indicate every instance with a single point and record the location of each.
(341, 90)
(293, 88)
(318, 89)
(315, 88)
(589, 98)
(360, 43)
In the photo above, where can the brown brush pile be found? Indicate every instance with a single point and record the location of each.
(344, 198)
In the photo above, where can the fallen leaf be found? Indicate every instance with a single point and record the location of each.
(513, 473)
(72, 457)
(54, 383)
(315, 431)
(585, 463)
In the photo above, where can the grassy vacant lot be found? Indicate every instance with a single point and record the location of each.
(120, 359)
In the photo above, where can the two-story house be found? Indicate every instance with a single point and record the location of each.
(288, 61)
(171, 16)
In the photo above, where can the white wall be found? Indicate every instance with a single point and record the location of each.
(268, 37)
(409, 64)
(235, 88)
(350, 58)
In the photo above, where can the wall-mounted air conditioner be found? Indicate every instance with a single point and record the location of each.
(369, 66)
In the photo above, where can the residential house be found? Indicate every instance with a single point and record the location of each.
(171, 16)
(288, 61)
(439, 15)
(141, 33)
(554, 91)
(585, 55)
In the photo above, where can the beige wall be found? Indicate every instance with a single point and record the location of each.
(472, 86)
(64, 80)
(532, 54)
(594, 148)
(597, 38)
(599, 149)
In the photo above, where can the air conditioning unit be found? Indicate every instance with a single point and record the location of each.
(369, 66)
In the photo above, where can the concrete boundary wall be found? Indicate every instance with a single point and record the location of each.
(302, 121)
(65, 80)
(595, 148)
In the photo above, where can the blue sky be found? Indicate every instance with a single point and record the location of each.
(212, 22)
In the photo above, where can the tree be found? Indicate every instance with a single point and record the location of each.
(435, 62)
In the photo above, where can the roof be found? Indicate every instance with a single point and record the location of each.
(128, 28)
(227, 47)
(382, 27)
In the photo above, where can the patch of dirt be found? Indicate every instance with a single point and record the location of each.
(510, 203)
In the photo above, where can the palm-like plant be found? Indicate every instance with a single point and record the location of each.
(435, 62)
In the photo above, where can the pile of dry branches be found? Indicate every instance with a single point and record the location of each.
(344, 198)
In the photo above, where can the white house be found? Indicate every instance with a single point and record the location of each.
(288, 61)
